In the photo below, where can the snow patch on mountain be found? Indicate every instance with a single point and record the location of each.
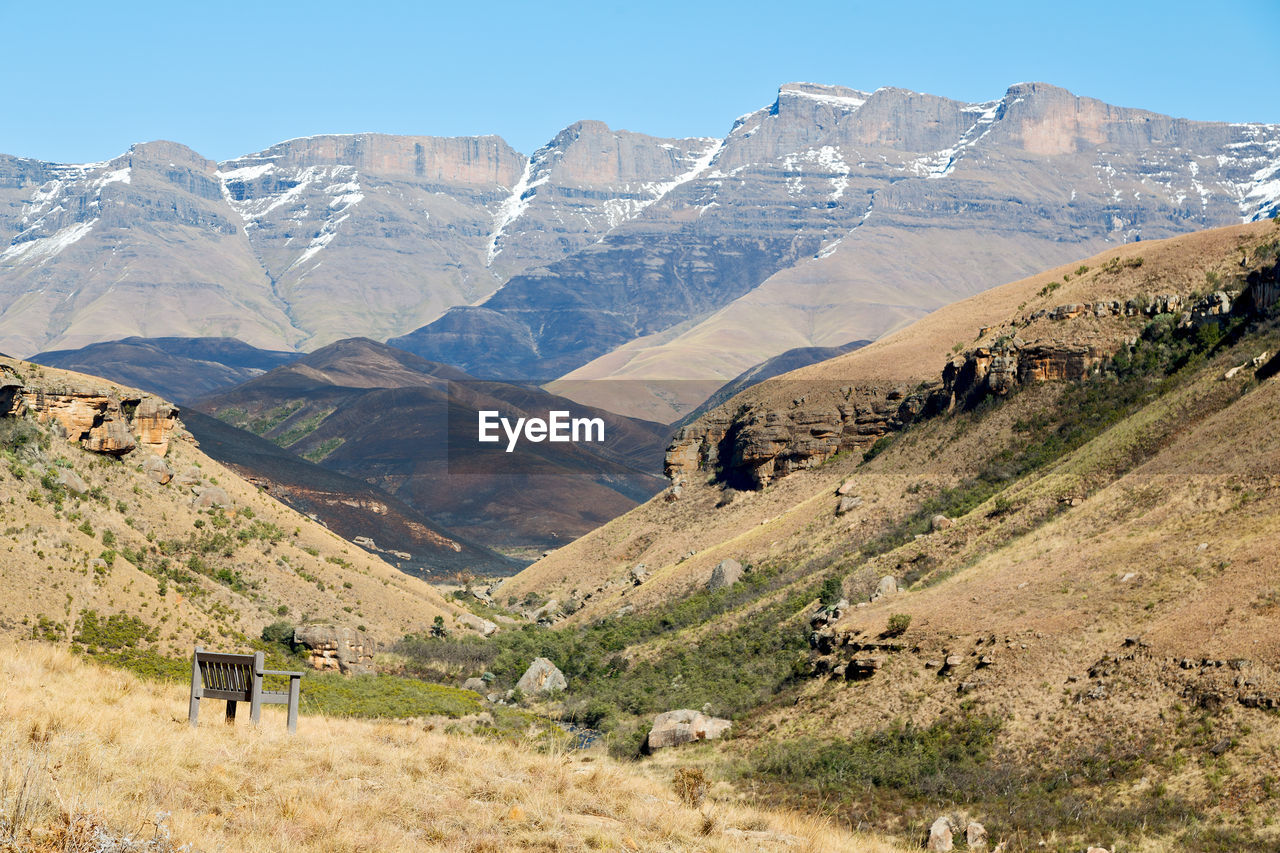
(942, 163)
(659, 189)
(44, 249)
(51, 205)
(827, 158)
(536, 173)
(836, 96)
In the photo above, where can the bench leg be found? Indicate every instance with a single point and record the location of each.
(193, 713)
(255, 690)
(293, 705)
(231, 712)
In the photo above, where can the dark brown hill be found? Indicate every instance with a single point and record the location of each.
(179, 369)
(408, 426)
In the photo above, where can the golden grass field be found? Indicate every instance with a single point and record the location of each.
(90, 753)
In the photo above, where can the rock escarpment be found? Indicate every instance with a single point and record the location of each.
(101, 420)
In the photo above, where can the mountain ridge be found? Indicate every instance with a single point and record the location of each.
(323, 237)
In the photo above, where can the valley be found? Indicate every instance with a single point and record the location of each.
(890, 472)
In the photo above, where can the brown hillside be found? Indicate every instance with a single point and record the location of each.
(681, 541)
(1086, 567)
(205, 557)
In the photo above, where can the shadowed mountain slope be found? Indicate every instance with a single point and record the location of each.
(179, 369)
(409, 426)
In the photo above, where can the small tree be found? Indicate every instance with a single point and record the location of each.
(437, 628)
(832, 591)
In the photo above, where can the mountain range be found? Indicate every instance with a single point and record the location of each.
(829, 215)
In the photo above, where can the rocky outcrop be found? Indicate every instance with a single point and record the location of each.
(683, 726)
(154, 422)
(542, 677)
(755, 445)
(336, 648)
(1262, 289)
(100, 420)
(93, 418)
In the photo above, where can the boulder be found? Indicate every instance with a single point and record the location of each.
(111, 437)
(208, 497)
(940, 836)
(638, 575)
(683, 726)
(189, 477)
(546, 612)
(848, 504)
(888, 586)
(541, 677)
(156, 468)
(484, 626)
(975, 835)
(941, 522)
(724, 575)
(475, 684)
(72, 482)
(846, 488)
(330, 647)
(1098, 850)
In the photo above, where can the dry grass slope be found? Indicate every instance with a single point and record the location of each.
(89, 756)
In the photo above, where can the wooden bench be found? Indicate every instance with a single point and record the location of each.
(238, 678)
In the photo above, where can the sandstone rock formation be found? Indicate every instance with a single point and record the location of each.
(99, 419)
(336, 648)
(542, 677)
(683, 726)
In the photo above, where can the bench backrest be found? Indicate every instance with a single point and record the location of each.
(225, 676)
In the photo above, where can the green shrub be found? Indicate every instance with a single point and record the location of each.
(832, 591)
(117, 631)
(935, 761)
(898, 625)
(882, 444)
(279, 633)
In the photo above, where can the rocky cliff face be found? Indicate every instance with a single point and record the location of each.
(848, 198)
(309, 241)
(101, 420)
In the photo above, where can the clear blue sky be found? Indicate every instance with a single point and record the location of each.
(82, 81)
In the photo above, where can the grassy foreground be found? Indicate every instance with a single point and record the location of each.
(93, 759)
